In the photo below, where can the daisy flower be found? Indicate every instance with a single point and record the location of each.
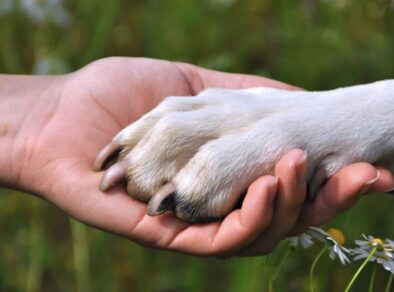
(373, 249)
(304, 240)
(382, 251)
(335, 239)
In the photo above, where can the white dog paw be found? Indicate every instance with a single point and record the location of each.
(198, 155)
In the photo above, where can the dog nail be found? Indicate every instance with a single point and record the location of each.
(105, 155)
(162, 201)
(112, 176)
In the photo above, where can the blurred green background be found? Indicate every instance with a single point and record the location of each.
(316, 44)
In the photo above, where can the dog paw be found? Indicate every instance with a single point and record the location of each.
(197, 155)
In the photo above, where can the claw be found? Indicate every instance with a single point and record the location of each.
(113, 175)
(162, 201)
(108, 153)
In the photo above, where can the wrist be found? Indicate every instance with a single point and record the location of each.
(24, 105)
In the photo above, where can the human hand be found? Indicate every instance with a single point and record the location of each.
(76, 114)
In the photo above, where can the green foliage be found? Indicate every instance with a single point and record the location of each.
(316, 44)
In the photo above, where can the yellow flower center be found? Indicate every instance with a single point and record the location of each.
(337, 235)
(378, 241)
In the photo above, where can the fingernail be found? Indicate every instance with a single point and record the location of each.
(273, 187)
(300, 172)
(368, 184)
(274, 181)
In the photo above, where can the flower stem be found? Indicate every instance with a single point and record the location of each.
(373, 277)
(389, 283)
(361, 268)
(276, 273)
(312, 270)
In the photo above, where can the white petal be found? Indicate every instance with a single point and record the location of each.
(306, 241)
(390, 242)
(293, 241)
(359, 257)
(391, 263)
(361, 243)
(343, 258)
(385, 265)
(344, 249)
(317, 233)
(332, 254)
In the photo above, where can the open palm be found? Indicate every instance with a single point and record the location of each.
(91, 105)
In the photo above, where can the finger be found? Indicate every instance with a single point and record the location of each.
(341, 192)
(385, 182)
(291, 171)
(122, 215)
(237, 230)
(204, 78)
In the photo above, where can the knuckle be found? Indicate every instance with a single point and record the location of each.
(171, 103)
(170, 122)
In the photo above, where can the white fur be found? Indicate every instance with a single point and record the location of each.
(213, 145)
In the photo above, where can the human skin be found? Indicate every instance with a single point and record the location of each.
(52, 127)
